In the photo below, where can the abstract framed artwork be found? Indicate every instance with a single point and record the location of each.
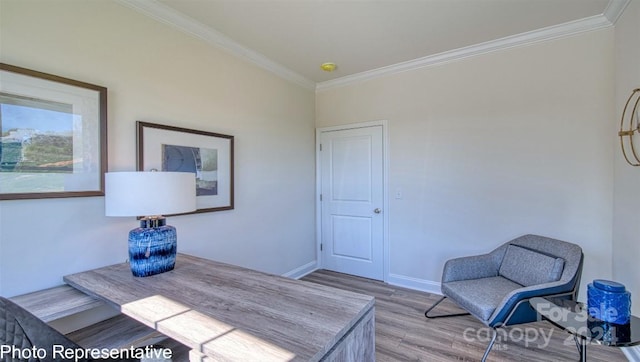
(206, 154)
(53, 140)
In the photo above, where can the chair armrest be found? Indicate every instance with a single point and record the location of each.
(511, 300)
(540, 290)
(471, 267)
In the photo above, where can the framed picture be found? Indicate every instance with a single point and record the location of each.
(53, 140)
(208, 155)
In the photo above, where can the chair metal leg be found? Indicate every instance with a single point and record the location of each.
(426, 314)
(581, 344)
(493, 340)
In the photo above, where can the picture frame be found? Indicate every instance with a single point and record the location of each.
(53, 135)
(207, 154)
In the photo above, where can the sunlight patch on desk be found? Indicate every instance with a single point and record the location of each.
(154, 309)
(239, 345)
(196, 327)
(203, 333)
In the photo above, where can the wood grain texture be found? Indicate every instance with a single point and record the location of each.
(117, 332)
(404, 334)
(228, 312)
(357, 345)
(57, 302)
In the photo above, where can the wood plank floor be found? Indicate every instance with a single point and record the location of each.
(404, 334)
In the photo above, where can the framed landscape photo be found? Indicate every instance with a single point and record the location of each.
(206, 154)
(53, 135)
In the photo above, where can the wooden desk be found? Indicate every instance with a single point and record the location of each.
(224, 312)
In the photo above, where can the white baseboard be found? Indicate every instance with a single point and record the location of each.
(414, 283)
(632, 353)
(422, 285)
(303, 270)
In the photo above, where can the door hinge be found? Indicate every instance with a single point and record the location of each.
(320, 197)
(320, 246)
(321, 147)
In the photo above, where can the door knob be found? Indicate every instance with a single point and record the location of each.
(377, 210)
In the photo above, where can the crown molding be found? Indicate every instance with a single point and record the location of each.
(194, 28)
(167, 15)
(612, 12)
(614, 9)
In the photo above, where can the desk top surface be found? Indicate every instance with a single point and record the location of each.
(229, 312)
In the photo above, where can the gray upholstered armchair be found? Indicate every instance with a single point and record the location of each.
(496, 287)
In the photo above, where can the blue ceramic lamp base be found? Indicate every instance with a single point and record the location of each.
(152, 248)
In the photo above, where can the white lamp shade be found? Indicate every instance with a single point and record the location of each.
(149, 193)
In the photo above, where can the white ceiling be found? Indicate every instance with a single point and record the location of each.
(293, 37)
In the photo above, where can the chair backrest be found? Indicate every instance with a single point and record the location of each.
(570, 253)
(11, 332)
(514, 309)
(23, 330)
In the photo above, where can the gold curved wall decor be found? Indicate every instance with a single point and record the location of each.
(633, 126)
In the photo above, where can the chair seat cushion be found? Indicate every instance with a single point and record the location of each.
(529, 267)
(479, 296)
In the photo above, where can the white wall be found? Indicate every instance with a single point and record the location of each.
(492, 147)
(157, 74)
(626, 229)
(484, 149)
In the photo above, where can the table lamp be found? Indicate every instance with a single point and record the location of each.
(153, 245)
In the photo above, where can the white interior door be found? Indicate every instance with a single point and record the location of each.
(352, 189)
